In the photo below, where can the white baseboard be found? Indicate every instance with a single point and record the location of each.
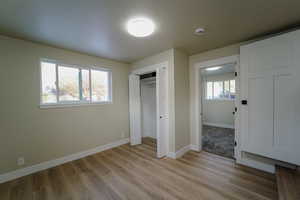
(257, 165)
(52, 163)
(243, 161)
(195, 147)
(181, 151)
(171, 155)
(219, 125)
(149, 136)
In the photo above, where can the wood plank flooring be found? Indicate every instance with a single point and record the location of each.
(288, 183)
(129, 172)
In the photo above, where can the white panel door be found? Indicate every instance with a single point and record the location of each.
(287, 105)
(162, 111)
(135, 109)
(270, 82)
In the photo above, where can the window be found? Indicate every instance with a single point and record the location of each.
(99, 85)
(209, 90)
(227, 89)
(218, 89)
(73, 85)
(222, 90)
(68, 82)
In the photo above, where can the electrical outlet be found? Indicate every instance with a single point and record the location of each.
(21, 161)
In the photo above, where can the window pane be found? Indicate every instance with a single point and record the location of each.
(85, 75)
(232, 89)
(209, 90)
(68, 83)
(226, 89)
(49, 91)
(100, 85)
(232, 86)
(218, 89)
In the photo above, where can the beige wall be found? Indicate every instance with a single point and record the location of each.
(44, 134)
(214, 54)
(165, 56)
(181, 69)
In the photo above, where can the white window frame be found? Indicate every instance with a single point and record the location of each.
(213, 85)
(61, 104)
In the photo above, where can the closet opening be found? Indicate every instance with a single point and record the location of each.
(149, 109)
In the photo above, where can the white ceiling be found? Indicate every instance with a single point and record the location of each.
(96, 27)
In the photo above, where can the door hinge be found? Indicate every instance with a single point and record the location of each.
(244, 102)
(235, 73)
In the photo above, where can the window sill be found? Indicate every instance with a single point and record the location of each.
(68, 105)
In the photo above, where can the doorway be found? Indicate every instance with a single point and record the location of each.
(218, 109)
(196, 102)
(149, 106)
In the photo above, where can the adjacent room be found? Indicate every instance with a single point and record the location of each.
(144, 99)
(218, 109)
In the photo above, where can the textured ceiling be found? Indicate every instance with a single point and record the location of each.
(96, 27)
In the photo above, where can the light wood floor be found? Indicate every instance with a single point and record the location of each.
(288, 183)
(129, 172)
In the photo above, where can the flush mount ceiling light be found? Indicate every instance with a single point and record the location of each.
(213, 68)
(140, 27)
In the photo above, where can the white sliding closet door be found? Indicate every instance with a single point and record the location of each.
(270, 82)
(135, 109)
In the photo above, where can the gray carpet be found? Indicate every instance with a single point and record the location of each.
(219, 141)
